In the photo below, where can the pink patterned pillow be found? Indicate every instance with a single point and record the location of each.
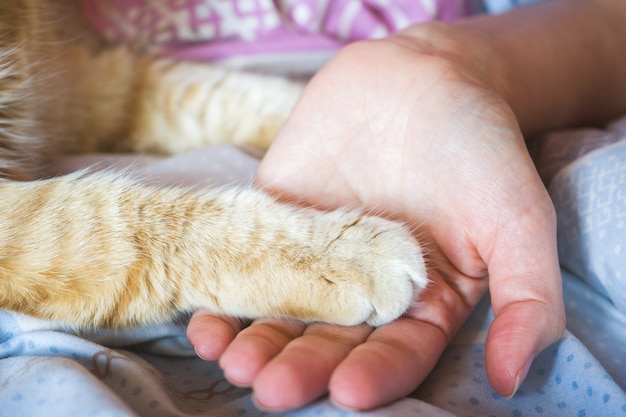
(220, 29)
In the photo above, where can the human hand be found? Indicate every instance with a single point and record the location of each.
(415, 131)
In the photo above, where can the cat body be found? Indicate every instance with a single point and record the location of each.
(104, 250)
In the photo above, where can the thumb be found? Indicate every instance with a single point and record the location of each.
(526, 295)
(517, 335)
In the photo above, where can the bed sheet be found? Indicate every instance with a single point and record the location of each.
(153, 372)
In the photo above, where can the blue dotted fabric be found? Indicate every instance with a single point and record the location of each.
(590, 196)
(585, 373)
(47, 370)
(565, 380)
(152, 372)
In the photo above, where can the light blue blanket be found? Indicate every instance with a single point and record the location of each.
(46, 371)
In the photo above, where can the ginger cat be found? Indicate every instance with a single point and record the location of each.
(103, 250)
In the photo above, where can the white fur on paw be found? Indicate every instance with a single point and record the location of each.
(373, 269)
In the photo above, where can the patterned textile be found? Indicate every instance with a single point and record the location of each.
(219, 30)
(591, 197)
(153, 372)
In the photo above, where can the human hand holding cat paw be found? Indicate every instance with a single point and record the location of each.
(392, 126)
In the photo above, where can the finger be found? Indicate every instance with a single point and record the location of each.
(518, 333)
(255, 346)
(390, 365)
(300, 374)
(210, 335)
(397, 357)
(527, 300)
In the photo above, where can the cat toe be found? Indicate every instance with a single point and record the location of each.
(397, 293)
(389, 265)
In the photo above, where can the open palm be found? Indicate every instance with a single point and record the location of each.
(394, 128)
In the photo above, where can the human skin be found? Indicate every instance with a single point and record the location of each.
(427, 126)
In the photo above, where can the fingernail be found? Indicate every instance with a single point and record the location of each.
(518, 382)
(199, 351)
(519, 379)
(204, 352)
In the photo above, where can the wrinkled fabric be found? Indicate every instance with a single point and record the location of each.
(153, 372)
(283, 33)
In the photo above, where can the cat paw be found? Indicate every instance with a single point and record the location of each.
(359, 269)
(339, 267)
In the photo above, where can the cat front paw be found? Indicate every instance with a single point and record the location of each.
(359, 269)
(276, 260)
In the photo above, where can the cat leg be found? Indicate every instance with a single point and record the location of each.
(120, 101)
(103, 250)
(183, 106)
(338, 267)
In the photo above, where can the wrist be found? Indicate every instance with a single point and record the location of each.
(556, 64)
(464, 46)
(465, 50)
(560, 63)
